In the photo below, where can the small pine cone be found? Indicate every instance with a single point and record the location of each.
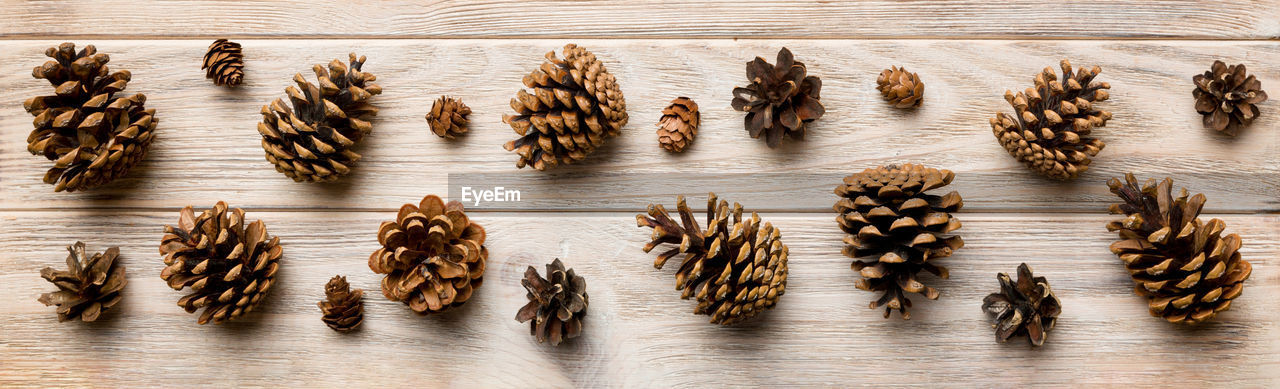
(900, 88)
(556, 305)
(736, 268)
(224, 63)
(780, 100)
(91, 134)
(343, 308)
(448, 117)
(1026, 307)
(679, 124)
(574, 105)
(89, 286)
(1051, 131)
(229, 266)
(1185, 268)
(1228, 97)
(432, 254)
(889, 218)
(312, 141)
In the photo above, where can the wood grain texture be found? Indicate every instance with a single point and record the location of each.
(638, 332)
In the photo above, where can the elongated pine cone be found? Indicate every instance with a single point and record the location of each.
(1185, 268)
(572, 106)
(312, 141)
(228, 265)
(343, 308)
(735, 269)
(1051, 131)
(1228, 97)
(224, 63)
(432, 254)
(556, 305)
(781, 99)
(91, 134)
(679, 124)
(901, 230)
(89, 286)
(900, 88)
(448, 117)
(1026, 307)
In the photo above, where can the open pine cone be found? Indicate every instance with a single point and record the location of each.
(224, 63)
(679, 124)
(1228, 97)
(900, 88)
(432, 254)
(1051, 131)
(1027, 306)
(780, 100)
(343, 308)
(89, 286)
(312, 141)
(228, 265)
(889, 218)
(736, 268)
(1185, 268)
(448, 117)
(91, 134)
(556, 305)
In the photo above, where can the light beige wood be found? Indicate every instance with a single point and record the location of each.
(638, 332)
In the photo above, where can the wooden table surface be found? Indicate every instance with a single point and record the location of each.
(639, 333)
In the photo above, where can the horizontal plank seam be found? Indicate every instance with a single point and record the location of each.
(638, 36)
(602, 211)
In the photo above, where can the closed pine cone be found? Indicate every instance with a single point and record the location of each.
(228, 265)
(1228, 97)
(679, 124)
(780, 100)
(901, 230)
(735, 269)
(556, 303)
(89, 286)
(432, 254)
(1026, 307)
(1051, 131)
(572, 106)
(312, 141)
(900, 88)
(1185, 268)
(343, 308)
(92, 134)
(448, 117)
(224, 63)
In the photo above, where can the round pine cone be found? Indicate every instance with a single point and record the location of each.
(448, 117)
(1051, 131)
(432, 254)
(679, 124)
(900, 88)
(888, 217)
(1228, 97)
(736, 268)
(229, 266)
(1025, 307)
(573, 105)
(343, 308)
(780, 100)
(556, 305)
(312, 141)
(91, 134)
(89, 286)
(224, 63)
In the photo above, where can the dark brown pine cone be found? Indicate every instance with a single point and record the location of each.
(89, 286)
(900, 88)
(343, 308)
(1051, 131)
(1228, 97)
(556, 305)
(1027, 307)
(679, 124)
(780, 100)
(448, 117)
(432, 254)
(224, 63)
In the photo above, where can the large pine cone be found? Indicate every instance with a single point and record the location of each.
(89, 286)
(736, 268)
(889, 217)
(91, 134)
(229, 266)
(556, 305)
(432, 254)
(780, 100)
(224, 63)
(312, 141)
(1185, 267)
(1054, 121)
(573, 106)
(1025, 307)
(1228, 97)
(679, 124)
(900, 88)
(343, 308)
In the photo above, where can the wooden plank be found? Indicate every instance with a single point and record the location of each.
(639, 333)
(1234, 19)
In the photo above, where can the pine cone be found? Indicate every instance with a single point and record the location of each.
(1054, 121)
(343, 308)
(91, 134)
(229, 266)
(312, 142)
(556, 305)
(432, 254)
(448, 117)
(679, 124)
(224, 63)
(780, 100)
(89, 286)
(736, 268)
(889, 217)
(1185, 267)
(574, 105)
(1026, 307)
(1228, 97)
(900, 88)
